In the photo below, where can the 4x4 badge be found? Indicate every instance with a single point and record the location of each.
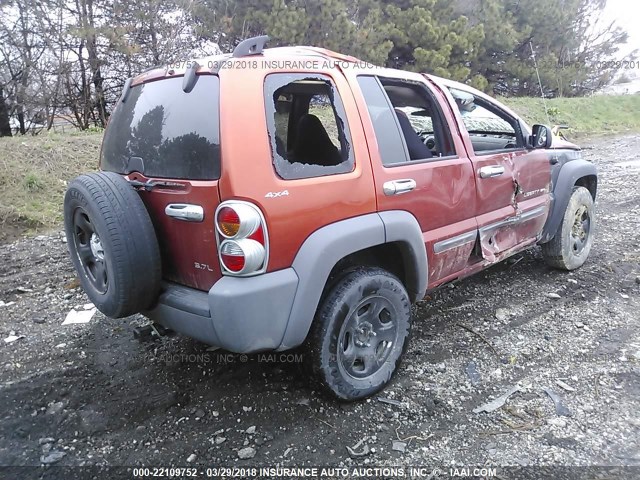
(277, 194)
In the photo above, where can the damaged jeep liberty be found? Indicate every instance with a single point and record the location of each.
(269, 199)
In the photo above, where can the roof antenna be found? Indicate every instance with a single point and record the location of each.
(544, 99)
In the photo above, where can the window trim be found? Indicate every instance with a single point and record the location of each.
(444, 126)
(339, 112)
(484, 153)
(421, 161)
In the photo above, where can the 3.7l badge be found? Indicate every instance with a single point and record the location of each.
(202, 266)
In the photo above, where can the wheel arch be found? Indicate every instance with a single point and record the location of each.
(392, 239)
(574, 173)
(590, 182)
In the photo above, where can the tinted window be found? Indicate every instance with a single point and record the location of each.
(162, 131)
(307, 126)
(383, 118)
(420, 119)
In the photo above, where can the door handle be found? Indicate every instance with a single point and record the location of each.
(491, 171)
(396, 187)
(185, 212)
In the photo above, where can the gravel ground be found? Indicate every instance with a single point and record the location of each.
(91, 394)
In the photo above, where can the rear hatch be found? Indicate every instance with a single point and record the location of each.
(167, 143)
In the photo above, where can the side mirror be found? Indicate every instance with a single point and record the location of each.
(541, 137)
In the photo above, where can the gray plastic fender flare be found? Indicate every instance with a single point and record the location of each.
(569, 174)
(324, 248)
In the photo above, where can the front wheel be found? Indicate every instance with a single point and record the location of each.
(359, 333)
(572, 243)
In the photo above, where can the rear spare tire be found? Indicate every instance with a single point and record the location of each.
(112, 244)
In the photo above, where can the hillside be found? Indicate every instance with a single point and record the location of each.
(34, 171)
(587, 116)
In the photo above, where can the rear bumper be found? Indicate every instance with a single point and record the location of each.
(241, 315)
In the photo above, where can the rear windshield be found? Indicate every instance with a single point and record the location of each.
(161, 131)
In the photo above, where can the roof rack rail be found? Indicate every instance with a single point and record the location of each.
(250, 46)
(125, 90)
(190, 78)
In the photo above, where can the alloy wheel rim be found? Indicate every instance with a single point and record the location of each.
(580, 229)
(90, 251)
(367, 337)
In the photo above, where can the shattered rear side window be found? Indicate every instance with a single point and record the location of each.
(308, 133)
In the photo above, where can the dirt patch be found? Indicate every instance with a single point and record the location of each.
(13, 228)
(95, 394)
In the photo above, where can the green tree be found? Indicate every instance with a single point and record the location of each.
(354, 28)
(420, 35)
(570, 48)
(428, 36)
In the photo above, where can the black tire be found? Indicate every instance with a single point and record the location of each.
(334, 339)
(573, 240)
(112, 244)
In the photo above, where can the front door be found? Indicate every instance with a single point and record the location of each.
(512, 182)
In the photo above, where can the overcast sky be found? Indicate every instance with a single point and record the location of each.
(626, 13)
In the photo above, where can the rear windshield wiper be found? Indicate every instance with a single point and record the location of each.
(148, 186)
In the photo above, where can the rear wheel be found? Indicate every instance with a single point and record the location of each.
(359, 333)
(572, 243)
(112, 244)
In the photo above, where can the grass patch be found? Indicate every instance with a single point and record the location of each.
(589, 116)
(34, 171)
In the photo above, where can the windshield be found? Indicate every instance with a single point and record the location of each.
(164, 132)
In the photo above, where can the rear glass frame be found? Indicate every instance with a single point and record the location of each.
(182, 127)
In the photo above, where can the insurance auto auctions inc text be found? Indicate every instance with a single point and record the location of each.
(375, 472)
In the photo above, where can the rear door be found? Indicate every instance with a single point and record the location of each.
(166, 142)
(417, 168)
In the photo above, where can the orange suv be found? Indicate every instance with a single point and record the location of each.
(273, 198)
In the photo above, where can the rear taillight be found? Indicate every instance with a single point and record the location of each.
(242, 238)
(228, 222)
(232, 256)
